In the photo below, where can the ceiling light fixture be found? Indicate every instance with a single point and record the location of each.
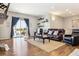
(56, 13)
(67, 10)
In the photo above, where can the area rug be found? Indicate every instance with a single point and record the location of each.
(75, 53)
(47, 46)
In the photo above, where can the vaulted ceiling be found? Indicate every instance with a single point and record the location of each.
(39, 9)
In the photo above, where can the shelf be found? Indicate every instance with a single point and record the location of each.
(40, 26)
(41, 23)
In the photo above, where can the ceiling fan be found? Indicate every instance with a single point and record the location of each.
(3, 10)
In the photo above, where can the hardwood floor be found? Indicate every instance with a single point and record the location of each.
(20, 47)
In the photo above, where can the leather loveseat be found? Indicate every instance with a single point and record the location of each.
(57, 34)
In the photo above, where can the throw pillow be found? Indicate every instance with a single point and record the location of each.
(55, 33)
(50, 32)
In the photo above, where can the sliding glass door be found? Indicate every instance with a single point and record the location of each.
(20, 28)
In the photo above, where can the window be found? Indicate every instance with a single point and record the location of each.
(20, 29)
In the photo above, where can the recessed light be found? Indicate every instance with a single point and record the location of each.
(67, 9)
(53, 7)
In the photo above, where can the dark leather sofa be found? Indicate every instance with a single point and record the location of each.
(52, 34)
(57, 34)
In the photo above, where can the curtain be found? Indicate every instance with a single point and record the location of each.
(27, 22)
(14, 21)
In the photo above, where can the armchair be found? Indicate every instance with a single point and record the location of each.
(71, 39)
(57, 34)
(40, 34)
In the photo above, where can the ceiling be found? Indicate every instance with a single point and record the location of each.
(39, 9)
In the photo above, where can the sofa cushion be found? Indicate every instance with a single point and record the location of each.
(50, 32)
(55, 33)
(38, 30)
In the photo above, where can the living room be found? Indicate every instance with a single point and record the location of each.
(51, 29)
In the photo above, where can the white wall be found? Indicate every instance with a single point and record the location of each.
(56, 22)
(68, 24)
(5, 28)
(47, 24)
